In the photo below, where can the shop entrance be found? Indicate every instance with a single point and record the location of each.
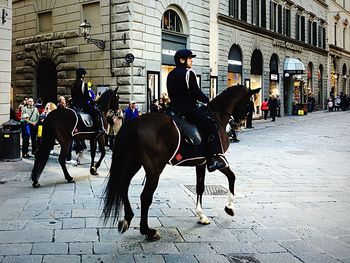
(46, 81)
(153, 88)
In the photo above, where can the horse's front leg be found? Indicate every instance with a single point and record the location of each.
(101, 144)
(229, 208)
(202, 218)
(93, 169)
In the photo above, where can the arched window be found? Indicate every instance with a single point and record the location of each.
(172, 22)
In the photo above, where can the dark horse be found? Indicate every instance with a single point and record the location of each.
(150, 141)
(60, 124)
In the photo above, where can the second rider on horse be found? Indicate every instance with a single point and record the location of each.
(82, 99)
(184, 93)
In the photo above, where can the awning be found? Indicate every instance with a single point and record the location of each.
(293, 66)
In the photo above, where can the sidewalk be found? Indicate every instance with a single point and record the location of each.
(292, 201)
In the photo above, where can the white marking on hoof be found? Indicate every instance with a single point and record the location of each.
(202, 218)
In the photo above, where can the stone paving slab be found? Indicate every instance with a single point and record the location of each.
(292, 204)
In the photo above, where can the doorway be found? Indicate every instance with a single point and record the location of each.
(46, 81)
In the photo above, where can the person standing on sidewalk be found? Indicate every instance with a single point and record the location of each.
(273, 107)
(265, 108)
(33, 114)
(249, 123)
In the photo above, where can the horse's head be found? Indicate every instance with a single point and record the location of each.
(109, 100)
(234, 101)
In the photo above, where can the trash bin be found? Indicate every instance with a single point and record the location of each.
(10, 141)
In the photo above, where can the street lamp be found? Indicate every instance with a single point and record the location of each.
(85, 29)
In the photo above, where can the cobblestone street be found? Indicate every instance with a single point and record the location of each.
(292, 204)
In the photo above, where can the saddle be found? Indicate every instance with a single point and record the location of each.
(188, 130)
(85, 122)
(191, 146)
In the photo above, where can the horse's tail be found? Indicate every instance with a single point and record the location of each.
(42, 155)
(124, 155)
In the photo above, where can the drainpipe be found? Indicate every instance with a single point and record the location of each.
(110, 38)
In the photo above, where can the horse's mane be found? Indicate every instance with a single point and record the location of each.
(225, 97)
(105, 98)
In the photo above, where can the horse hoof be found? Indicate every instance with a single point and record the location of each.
(36, 185)
(93, 170)
(153, 235)
(229, 211)
(204, 221)
(71, 181)
(123, 226)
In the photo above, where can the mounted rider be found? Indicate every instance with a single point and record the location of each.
(81, 99)
(184, 93)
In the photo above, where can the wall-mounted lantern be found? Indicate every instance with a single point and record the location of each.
(85, 29)
(3, 16)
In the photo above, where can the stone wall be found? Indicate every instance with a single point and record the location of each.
(5, 61)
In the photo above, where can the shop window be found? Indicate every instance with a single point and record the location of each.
(91, 12)
(172, 22)
(234, 8)
(45, 22)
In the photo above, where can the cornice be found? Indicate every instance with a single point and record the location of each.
(338, 49)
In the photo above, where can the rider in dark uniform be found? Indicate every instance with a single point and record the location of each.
(184, 93)
(81, 99)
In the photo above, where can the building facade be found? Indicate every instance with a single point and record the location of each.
(5, 59)
(339, 46)
(277, 45)
(48, 47)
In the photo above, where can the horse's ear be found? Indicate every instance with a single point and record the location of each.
(254, 91)
(116, 89)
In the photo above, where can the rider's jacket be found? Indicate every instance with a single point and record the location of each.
(80, 94)
(183, 89)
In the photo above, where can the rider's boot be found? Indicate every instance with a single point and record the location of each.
(99, 126)
(214, 161)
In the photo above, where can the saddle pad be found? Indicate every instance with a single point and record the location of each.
(186, 152)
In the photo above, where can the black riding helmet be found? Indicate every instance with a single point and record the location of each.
(183, 53)
(80, 72)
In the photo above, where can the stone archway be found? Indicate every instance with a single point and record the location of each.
(46, 81)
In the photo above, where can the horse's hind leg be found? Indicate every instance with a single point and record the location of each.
(200, 171)
(124, 224)
(229, 208)
(62, 160)
(152, 179)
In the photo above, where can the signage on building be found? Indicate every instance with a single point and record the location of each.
(168, 52)
(129, 58)
(274, 77)
(287, 45)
